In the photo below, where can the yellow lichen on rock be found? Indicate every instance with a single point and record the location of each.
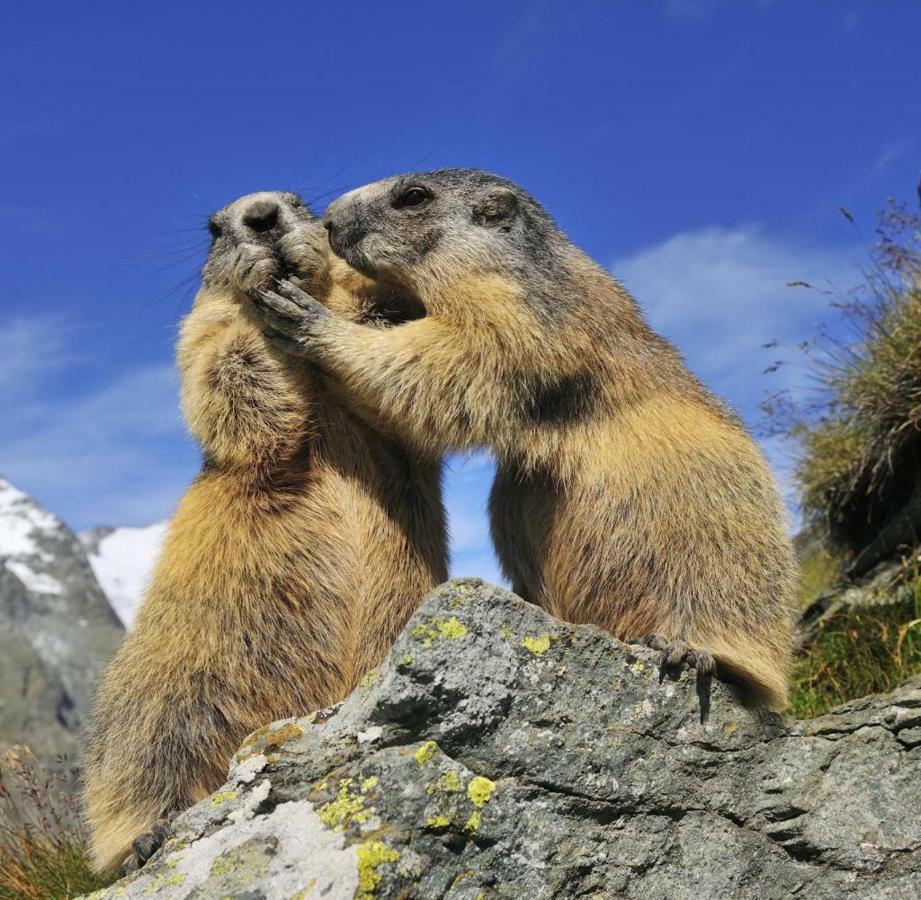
(537, 645)
(224, 797)
(349, 806)
(448, 629)
(371, 856)
(425, 752)
(439, 821)
(448, 783)
(480, 790)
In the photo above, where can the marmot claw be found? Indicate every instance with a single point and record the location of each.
(145, 845)
(675, 652)
(288, 310)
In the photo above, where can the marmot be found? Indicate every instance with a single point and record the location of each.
(627, 495)
(293, 561)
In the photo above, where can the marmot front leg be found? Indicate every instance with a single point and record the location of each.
(438, 384)
(243, 401)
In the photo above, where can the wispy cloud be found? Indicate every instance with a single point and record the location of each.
(115, 453)
(699, 10)
(30, 348)
(890, 153)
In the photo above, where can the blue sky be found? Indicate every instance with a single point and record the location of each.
(699, 148)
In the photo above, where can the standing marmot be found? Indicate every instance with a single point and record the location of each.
(627, 495)
(293, 561)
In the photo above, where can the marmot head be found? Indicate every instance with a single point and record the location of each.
(261, 237)
(426, 226)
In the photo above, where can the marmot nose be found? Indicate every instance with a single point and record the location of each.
(261, 215)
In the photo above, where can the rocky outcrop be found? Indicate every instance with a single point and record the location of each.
(57, 629)
(500, 753)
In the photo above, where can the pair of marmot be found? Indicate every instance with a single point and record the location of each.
(626, 495)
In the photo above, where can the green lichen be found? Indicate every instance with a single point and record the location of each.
(224, 865)
(306, 892)
(537, 645)
(447, 629)
(369, 678)
(507, 632)
(224, 797)
(480, 790)
(371, 781)
(348, 807)
(405, 660)
(371, 856)
(448, 783)
(451, 628)
(439, 821)
(473, 823)
(425, 752)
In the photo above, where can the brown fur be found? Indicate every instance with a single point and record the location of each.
(291, 565)
(627, 495)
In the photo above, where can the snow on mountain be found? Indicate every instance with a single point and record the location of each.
(123, 561)
(57, 628)
(23, 523)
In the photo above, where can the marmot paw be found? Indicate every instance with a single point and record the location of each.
(145, 845)
(676, 652)
(288, 310)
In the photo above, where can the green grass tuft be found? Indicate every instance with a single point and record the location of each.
(861, 650)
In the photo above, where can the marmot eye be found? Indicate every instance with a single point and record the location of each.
(214, 228)
(414, 196)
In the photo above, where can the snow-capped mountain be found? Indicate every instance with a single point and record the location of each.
(57, 628)
(123, 561)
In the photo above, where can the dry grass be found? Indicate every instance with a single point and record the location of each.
(43, 847)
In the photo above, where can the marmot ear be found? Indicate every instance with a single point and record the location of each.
(496, 209)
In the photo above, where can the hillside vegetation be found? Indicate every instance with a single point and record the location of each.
(43, 844)
(859, 475)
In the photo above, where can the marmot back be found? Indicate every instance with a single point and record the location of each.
(293, 561)
(627, 495)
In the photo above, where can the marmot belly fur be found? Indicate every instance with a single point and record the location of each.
(293, 561)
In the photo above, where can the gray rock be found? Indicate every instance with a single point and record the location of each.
(57, 629)
(500, 753)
